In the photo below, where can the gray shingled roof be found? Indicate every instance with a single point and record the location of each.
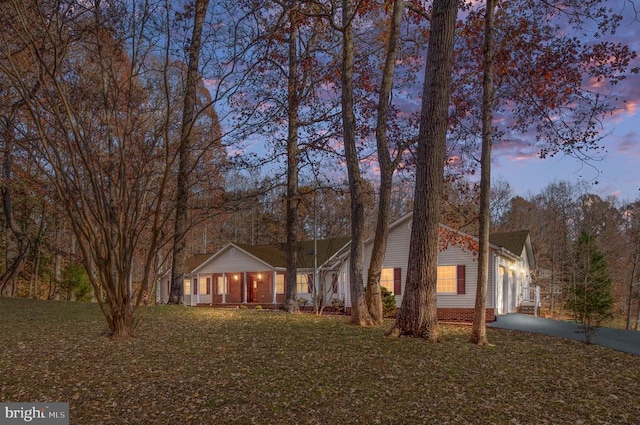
(274, 254)
(513, 241)
(194, 261)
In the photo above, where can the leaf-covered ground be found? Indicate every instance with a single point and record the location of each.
(201, 366)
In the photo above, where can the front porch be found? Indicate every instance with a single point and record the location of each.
(530, 301)
(235, 288)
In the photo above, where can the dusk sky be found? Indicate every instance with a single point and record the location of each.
(615, 169)
(618, 171)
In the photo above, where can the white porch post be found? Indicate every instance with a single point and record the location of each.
(244, 287)
(198, 288)
(275, 286)
(224, 288)
(494, 259)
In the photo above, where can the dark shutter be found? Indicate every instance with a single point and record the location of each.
(195, 286)
(310, 283)
(461, 279)
(397, 281)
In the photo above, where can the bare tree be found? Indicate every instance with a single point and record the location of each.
(479, 330)
(100, 141)
(359, 311)
(387, 169)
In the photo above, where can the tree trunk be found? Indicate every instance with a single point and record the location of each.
(635, 327)
(418, 315)
(38, 253)
(184, 165)
(23, 244)
(293, 196)
(632, 280)
(359, 312)
(479, 330)
(387, 168)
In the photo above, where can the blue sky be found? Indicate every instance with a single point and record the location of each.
(617, 171)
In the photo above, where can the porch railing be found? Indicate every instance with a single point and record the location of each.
(531, 296)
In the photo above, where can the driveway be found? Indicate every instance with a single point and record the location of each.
(618, 339)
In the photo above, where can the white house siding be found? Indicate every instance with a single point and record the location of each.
(326, 279)
(503, 274)
(163, 289)
(452, 256)
(509, 294)
(232, 260)
(344, 282)
(397, 256)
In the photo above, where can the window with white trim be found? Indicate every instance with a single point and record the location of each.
(387, 279)
(187, 287)
(280, 283)
(304, 281)
(203, 286)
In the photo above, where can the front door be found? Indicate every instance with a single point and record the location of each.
(252, 290)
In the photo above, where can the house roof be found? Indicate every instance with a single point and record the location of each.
(194, 261)
(513, 241)
(275, 254)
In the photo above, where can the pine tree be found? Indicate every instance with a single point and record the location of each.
(592, 298)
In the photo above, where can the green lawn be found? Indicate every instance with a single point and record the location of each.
(200, 366)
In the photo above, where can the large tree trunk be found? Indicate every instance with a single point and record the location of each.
(387, 168)
(418, 315)
(293, 196)
(184, 161)
(479, 330)
(359, 312)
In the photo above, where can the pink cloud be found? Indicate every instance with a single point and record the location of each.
(629, 144)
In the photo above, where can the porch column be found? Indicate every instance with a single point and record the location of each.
(198, 288)
(224, 288)
(194, 290)
(244, 287)
(275, 286)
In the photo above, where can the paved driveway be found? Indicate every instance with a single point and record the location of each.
(618, 339)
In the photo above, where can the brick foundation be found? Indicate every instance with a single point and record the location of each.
(463, 315)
